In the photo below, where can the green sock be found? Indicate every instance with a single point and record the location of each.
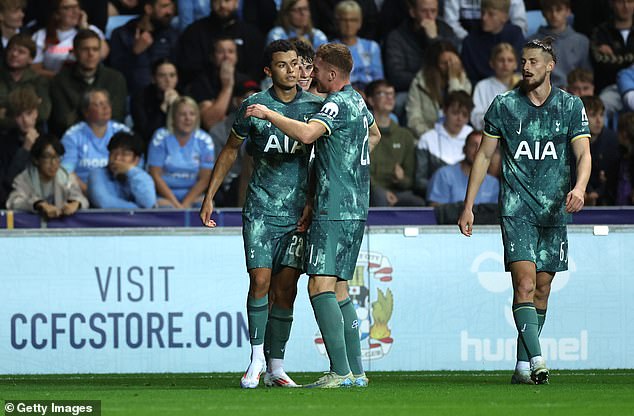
(278, 329)
(351, 335)
(258, 313)
(330, 322)
(526, 323)
(541, 318)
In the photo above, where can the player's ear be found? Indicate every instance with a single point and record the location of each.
(267, 71)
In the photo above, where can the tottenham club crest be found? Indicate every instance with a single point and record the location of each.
(374, 316)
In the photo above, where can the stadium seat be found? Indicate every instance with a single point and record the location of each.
(534, 19)
(117, 21)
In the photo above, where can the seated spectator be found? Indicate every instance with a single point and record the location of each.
(11, 21)
(149, 106)
(504, 64)
(624, 194)
(294, 22)
(69, 86)
(123, 183)
(17, 73)
(196, 44)
(444, 144)
(142, 41)
(580, 82)
(44, 187)
(323, 14)
(464, 15)
(118, 7)
(406, 46)
(441, 74)
(448, 184)
(494, 28)
(181, 157)
(213, 89)
(56, 41)
(571, 48)
(16, 143)
(393, 159)
(604, 148)
(86, 142)
(612, 49)
(366, 53)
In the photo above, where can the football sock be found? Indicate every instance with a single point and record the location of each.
(526, 323)
(258, 312)
(330, 322)
(522, 354)
(278, 329)
(351, 335)
(541, 318)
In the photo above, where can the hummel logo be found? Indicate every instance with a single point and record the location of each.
(520, 129)
(523, 328)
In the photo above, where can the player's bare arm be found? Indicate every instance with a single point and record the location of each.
(305, 133)
(223, 164)
(478, 173)
(575, 198)
(375, 135)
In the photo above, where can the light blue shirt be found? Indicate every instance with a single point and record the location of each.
(181, 164)
(135, 191)
(191, 10)
(366, 55)
(449, 184)
(316, 37)
(84, 151)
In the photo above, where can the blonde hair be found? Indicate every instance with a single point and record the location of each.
(502, 47)
(501, 5)
(171, 112)
(348, 6)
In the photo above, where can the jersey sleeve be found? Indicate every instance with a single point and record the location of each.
(157, 152)
(578, 126)
(370, 117)
(71, 152)
(242, 125)
(328, 115)
(206, 151)
(492, 121)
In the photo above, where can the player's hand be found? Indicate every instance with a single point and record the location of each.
(306, 219)
(206, 210)
(574, 200)
(465, 222)
(256, 110)
(70, 207)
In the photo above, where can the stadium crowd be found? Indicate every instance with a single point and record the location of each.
(134, 117)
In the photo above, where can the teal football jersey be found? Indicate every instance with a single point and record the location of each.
(342, 157)
(535, 145)
(279, 182)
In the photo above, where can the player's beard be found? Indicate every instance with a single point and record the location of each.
(533, 83)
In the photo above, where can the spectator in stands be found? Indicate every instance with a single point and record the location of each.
(45, 187)
(259, 13)
(213, 89)
(448, 184)
(11, 21)
(393, 159)
(406, 46)
(149, 106)
(604, 148)
(195, 45)
(56, 42)
(142, 41)
(464, 15)
(504, 64)
(17, 73)
(16, 143)
(181, 157)
(86, 142)
(294, 21)
(580, 82)
(444, 144)
(442, 73)
(323, 13)
(228, 195)
(624, 194)
(366, 53)
(123, 183)
(612, 48)
(494, 28)
(117, 7)
(572, 48)
(68, 87)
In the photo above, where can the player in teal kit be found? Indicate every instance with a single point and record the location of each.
(342, 157)
(537, 127)
(275, 213)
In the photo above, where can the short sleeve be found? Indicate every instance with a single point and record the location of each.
(578, 126)
(157, 153)
(206, 150)
(329, 116)
(71, 152)
(492, 125)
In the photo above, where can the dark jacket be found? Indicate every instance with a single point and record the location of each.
(606, 66)
(145, 108)
(29, 79)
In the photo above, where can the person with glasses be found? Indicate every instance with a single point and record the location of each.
(537, 127)
(45, 187)
(294, 21)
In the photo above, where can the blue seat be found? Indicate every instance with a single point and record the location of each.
(534, 19)
(118, 21)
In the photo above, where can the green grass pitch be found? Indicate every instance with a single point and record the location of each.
(597, 392)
